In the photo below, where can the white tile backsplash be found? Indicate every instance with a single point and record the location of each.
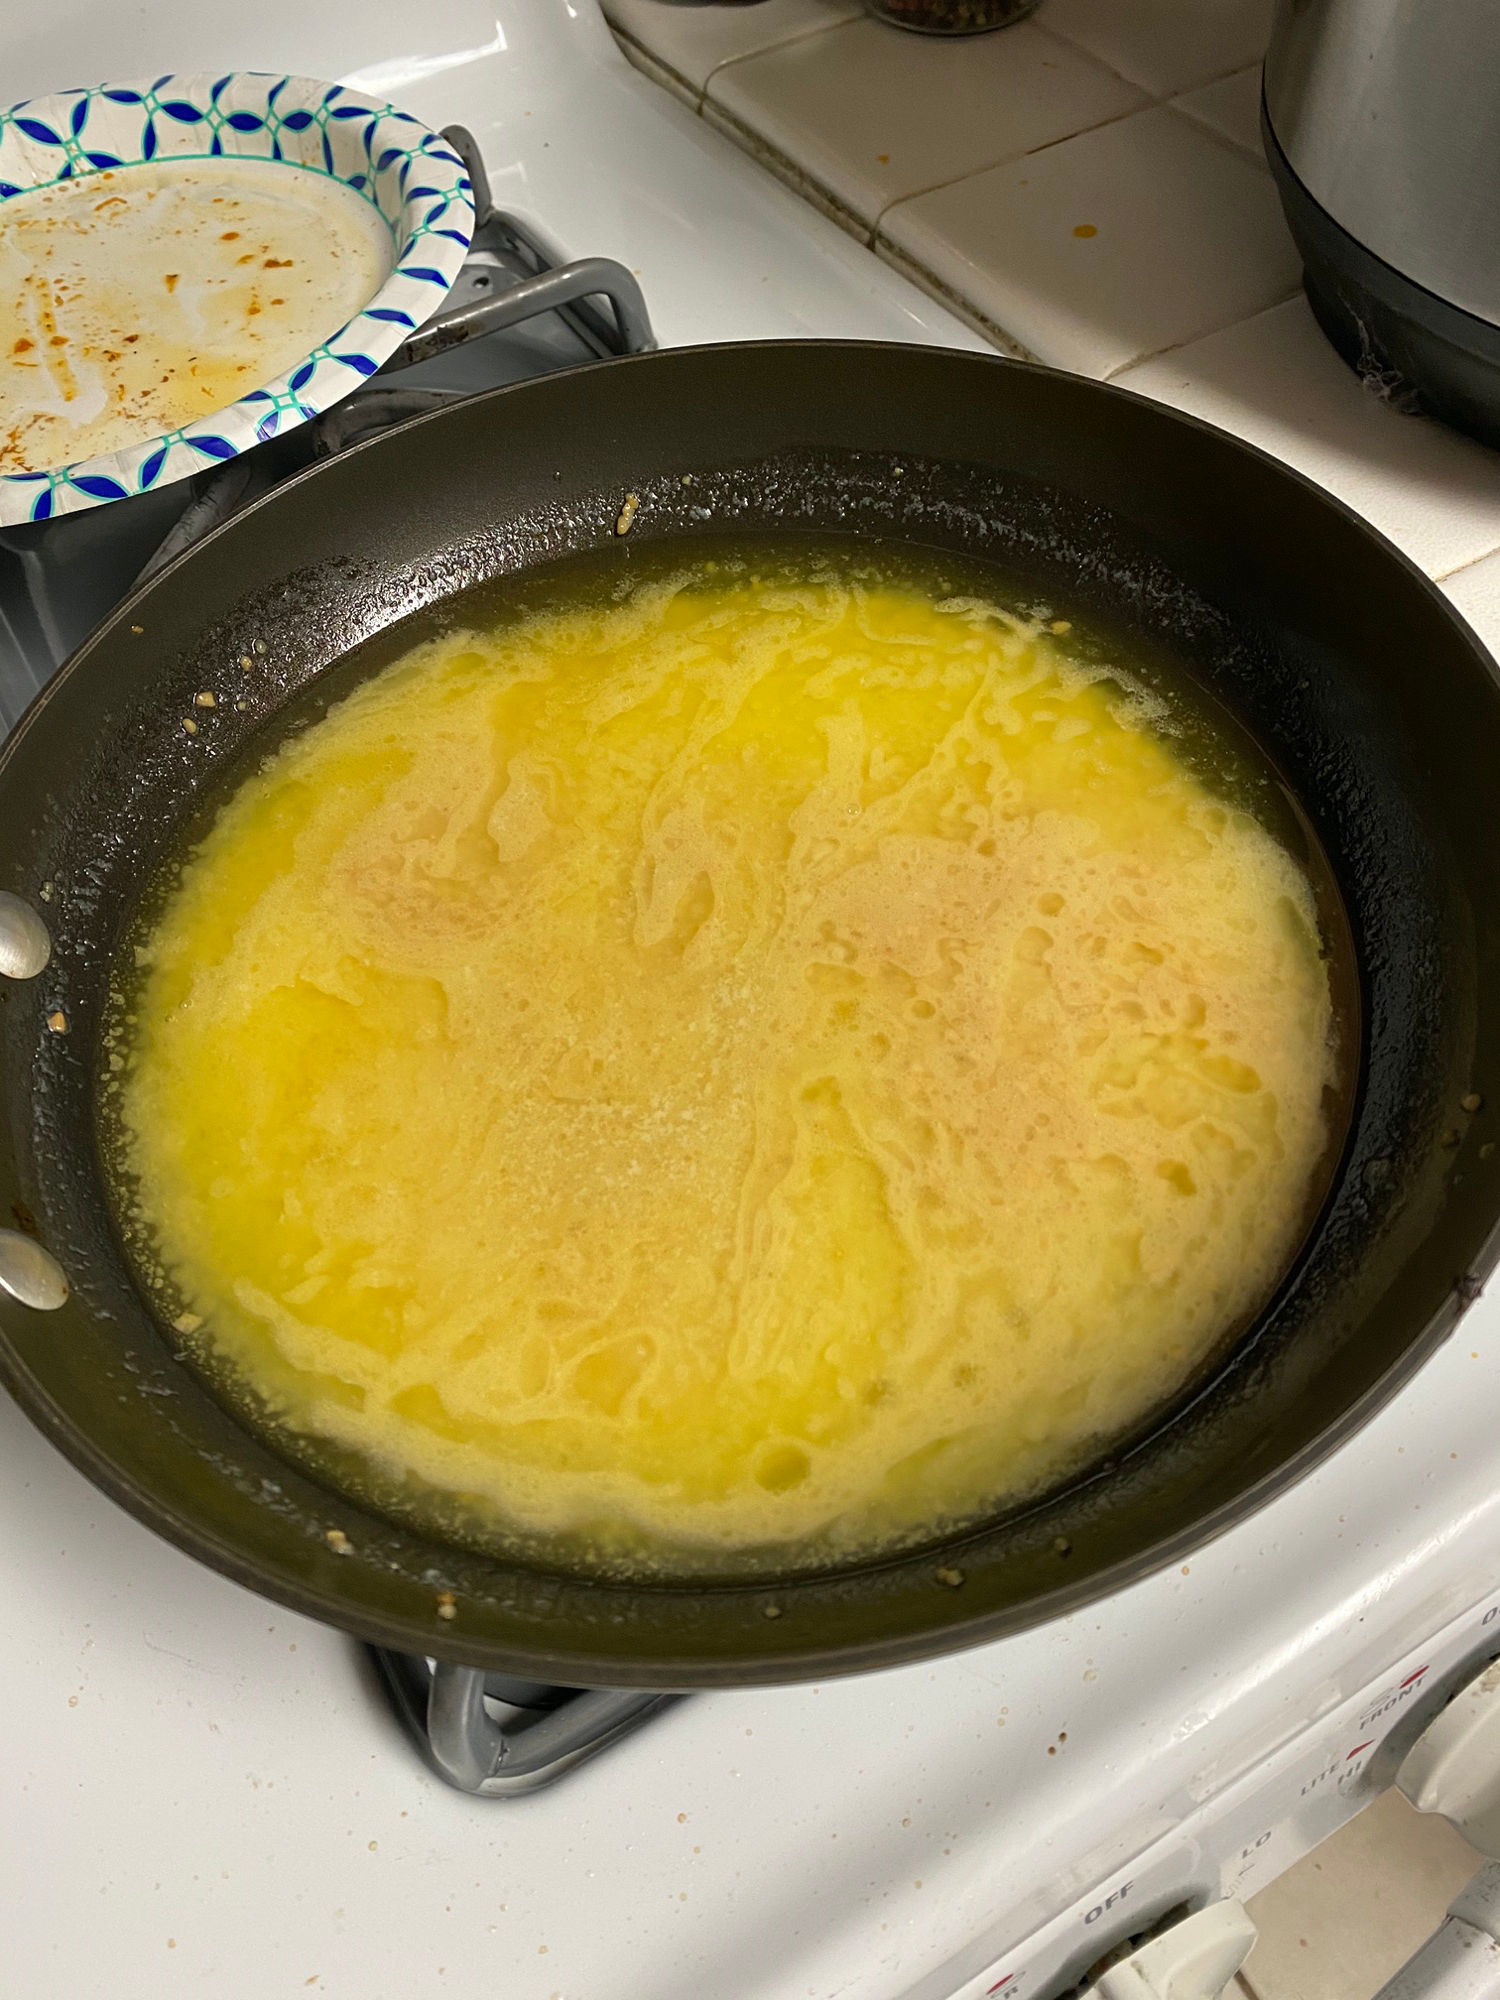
(854, 107)
(1230, 107)
(1166, 45)
(694, 41)
(1087, 187)
(1114, 244)
(1276, 381)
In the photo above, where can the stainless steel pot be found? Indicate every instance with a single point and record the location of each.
(1382, 125)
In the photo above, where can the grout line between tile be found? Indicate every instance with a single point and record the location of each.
(1256, 62)
(785, 169)
(785, 42)
(781, 163)
(1446, 575)
(1220, 139)
(1040, 26)
(766, 150)
(1160, 353)
(656, 68)
(961, 308)
(804, 184)
(1213, 131)
(1009, 160)
(1156, 96)
(1078, 48)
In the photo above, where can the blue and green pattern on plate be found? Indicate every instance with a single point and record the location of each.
(413, 177)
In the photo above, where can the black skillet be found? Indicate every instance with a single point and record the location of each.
(1376, 702)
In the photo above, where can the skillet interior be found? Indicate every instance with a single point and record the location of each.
(1378, 705)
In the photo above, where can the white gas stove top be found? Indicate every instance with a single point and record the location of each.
(206, 1795)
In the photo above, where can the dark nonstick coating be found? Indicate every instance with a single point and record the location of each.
(1377, 703)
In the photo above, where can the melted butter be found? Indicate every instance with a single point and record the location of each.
(135, 300)
(760, 1063)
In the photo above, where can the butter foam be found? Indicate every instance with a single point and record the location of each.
(765, 1062)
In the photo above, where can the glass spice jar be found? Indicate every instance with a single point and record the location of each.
(949, 17)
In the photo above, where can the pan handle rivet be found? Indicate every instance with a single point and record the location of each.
(29, 1273)
(24, 944)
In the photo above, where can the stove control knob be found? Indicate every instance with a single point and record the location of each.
(1453, 1768)
(1194, 1960)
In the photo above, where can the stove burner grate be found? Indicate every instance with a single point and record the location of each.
(498, 1738)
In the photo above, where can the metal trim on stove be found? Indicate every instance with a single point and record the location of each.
(449, 1713)
(473, 309)
(569, 285)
